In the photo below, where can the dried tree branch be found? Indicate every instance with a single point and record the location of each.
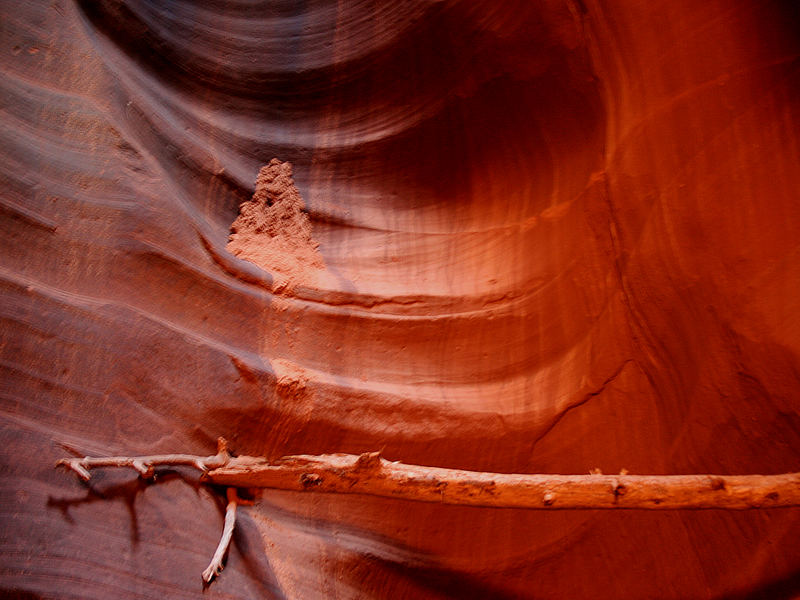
(370, 474)
(145, 465)
(215, 566)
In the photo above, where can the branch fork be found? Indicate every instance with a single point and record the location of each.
(145, 465)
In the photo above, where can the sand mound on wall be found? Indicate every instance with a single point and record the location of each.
(274, 231)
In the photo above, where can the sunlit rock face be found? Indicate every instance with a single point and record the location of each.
(556, 236)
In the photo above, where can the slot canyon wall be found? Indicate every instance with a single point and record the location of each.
(556, 235)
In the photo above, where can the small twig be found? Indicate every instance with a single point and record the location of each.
(215, 566)
(145, 465)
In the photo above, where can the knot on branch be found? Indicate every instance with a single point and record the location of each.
(717, 483)
(310, 480)
(618, 488)
(369, 461)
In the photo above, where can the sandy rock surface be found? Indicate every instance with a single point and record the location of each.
(539, 237)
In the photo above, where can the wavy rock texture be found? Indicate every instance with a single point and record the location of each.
(558, 235)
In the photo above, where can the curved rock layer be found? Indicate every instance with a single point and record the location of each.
(557, 236)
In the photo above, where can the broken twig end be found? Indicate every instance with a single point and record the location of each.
(74, 464)
(216, 566)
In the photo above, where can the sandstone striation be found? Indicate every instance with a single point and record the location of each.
(557, 236)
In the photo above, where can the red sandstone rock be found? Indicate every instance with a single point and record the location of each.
(273, 230)
(557, 236)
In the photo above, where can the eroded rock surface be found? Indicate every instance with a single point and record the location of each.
(273, 230)
(557, 236)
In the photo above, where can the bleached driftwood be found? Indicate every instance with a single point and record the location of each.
(215, 566)
(372, 475)
(145, 465)
(369, 474)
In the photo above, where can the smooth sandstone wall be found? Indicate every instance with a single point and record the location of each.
(557, 236)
